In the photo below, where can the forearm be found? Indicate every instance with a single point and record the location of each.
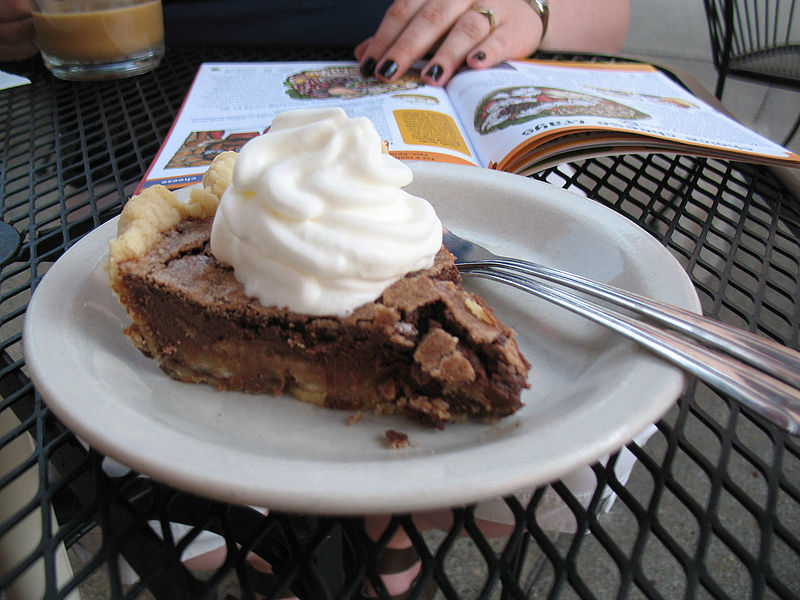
(587, 25)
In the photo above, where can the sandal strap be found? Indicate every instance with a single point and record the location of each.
(266, 583)
(396, 560)
(427, 593)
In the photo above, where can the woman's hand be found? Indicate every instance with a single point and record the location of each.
(16, 30)
(461, 31)
(483, 33)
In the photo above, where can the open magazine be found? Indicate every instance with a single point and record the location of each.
(521, 116)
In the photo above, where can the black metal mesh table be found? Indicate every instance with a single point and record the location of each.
(712, 509)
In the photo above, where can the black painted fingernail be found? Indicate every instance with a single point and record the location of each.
(435, 72)
(479, 55)
(368, 67)
(388, 69)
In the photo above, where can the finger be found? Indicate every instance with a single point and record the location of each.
(492, 51)
(426, 30)
(395, 19)
(13, 53)
(487, 54)
(423, 31)
(361, 49)
(470, 30)
(515, 36)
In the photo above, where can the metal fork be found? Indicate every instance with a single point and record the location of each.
(761, 374)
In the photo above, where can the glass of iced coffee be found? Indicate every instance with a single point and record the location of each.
(83, 40)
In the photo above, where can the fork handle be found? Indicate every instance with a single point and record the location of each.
(780, 361)
(773, 399)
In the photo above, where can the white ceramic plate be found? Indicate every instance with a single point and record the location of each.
(591, 391)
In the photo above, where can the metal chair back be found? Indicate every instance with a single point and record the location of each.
(757, 40)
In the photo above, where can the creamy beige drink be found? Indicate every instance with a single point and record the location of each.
(99, 39)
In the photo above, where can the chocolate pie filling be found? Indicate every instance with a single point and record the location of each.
(427, 348)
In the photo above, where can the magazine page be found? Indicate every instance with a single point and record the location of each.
(513, 107)
(229, 103)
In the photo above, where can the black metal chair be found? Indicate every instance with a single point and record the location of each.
(757, 40)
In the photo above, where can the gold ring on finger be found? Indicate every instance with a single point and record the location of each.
(486, 12)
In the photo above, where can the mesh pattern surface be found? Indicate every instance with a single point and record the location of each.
(712, 509)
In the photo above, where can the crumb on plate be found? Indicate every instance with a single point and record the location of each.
(396, 439)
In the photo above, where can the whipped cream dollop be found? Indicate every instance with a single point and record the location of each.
(315, 218)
